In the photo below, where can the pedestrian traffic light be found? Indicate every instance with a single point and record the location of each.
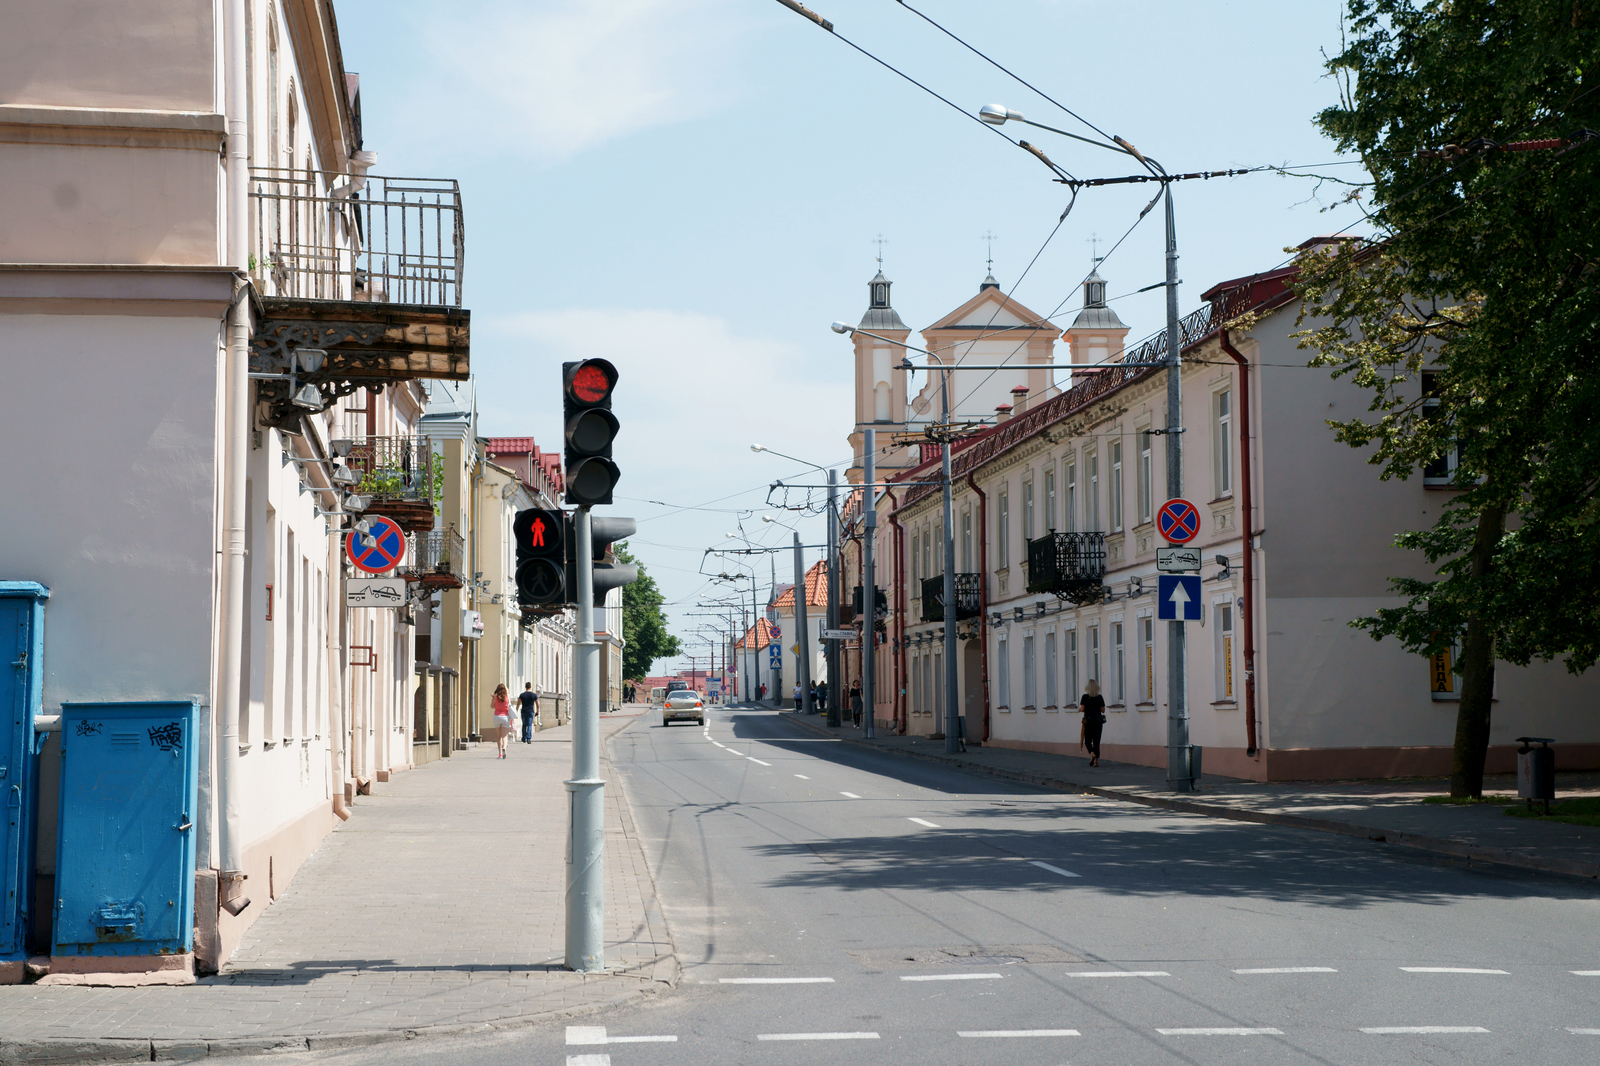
(542, 538)
(590, 429)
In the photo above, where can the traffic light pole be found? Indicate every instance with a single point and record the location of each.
(586, 792)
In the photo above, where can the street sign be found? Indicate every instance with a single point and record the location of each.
(776, 632)
(794, 649)
(838, 634)
(379, 550)
(1179, 521)
(374, 592)
(1178, 597)
(1177, 560)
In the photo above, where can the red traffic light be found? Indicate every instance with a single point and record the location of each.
(590, 382)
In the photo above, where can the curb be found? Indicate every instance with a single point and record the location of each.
(1455, 849)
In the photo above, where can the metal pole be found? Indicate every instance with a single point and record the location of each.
(1179, 778)
(755, 636)
(801, 637)
(952, 712)
(777, 660)
(869, 587)
(586, 792)
(832, 646)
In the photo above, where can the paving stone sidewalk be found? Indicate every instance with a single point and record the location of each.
(437, 908)
(1388, 811)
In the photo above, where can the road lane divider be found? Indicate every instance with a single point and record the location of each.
(1052, 869)
(852, 795)
(1450, 969)
(1289, 969)
(753, 759)
(924, 821)
(775, 980)
(816, 1036)
(976, 1034)
(1420, 1030)
(1120, 973)
(952, 977)
(1221, 1030)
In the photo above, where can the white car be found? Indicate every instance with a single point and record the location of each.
(684, 703)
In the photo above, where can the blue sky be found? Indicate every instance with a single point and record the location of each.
(692, 189)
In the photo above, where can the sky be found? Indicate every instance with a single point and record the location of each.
(693, 190)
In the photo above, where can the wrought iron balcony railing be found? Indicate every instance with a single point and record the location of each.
(437, 559)
(403, 477)
(966, 597)
(317, 236)
(1071, 565)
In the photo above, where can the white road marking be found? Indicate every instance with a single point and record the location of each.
(1421, 1030)
(753, 759)
(802, 777)
(642, 1040)
(1220, 1031)
(596, 1034)
(586, 1034)
(816, 1036)
(1019, 1032)
(852, 795)
(1052, 869)
(1120, 973)
(719, 743)
(924, 821)
(1291, 969)
(953, 977)
(1448, 969)
(1583, 1032)
(1587, 973)
(775, 980)
(588, 1060)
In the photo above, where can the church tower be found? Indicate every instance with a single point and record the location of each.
(880, 383)
(1097, 335)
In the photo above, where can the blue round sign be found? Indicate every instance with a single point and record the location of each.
(379, 550)
(1179, 521)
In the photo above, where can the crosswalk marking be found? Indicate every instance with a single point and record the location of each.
(596, 1034)
(1447, 969)
(588, 1060)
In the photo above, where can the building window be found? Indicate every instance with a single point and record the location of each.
(1440, 471)
(1071, 689)
(1050, 499)
(1002, 681)
(1027, 511)
(1116, 662)
(1051, 678)
(1116, 485)
(1224, 630)
(936, 684)
(1147, 653)
(966, 542)
(1070, 514)
(1091, 498)
(1146, 484)
(1030, 688)
(1003, 532)
(916, 561)
(1222, 447)
(929, 565)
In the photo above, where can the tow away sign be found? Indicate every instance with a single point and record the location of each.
(375, 592)
(1177, 560)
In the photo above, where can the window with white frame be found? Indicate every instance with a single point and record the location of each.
(1027, 511)
(930, 561)
(1071, 690)
(1116, 486)
(1052, 686)
(916, 683)
(1069, 515)
(1050, 498)
(1222, 443)
(1442, 470)
(1117, 673)
(966, 542)
(1030, 690)
(1002, 681)
(916, 561)
(1147, 659)
(1003, 531)
(1091, 500)
(1222, 620)
(1146, 479)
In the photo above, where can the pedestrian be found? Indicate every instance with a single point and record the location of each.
(530, 710)
(822, 695)
(815, 706)
(762, 693)
(855, 703)
(797, 695)
(1093, 706)
(502, 717)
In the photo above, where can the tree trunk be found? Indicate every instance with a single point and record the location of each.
(1477, 670)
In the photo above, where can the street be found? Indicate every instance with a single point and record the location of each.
(829, 904)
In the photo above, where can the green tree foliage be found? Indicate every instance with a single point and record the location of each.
(644, 628)
(1485, 275)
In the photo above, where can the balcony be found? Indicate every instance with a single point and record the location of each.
(966, 597)
(402, 476)
(367, 269)
(437, 560)
(1070, 565)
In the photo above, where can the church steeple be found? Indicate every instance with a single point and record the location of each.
(880, 313)
(1097, 334)
(880, 378)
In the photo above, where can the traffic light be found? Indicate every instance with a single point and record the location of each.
(607, 576)
(590, 428)
(542, 540)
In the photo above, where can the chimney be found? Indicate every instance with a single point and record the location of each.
(1019, 399)
(1002, 414)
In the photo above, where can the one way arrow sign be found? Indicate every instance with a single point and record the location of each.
(1178, 597)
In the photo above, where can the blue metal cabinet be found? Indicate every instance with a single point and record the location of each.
(125, 850)
(21, 692)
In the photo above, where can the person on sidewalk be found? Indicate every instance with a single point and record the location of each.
(530, 710)
(1093, 706)
(797, 695)
(855, 703)
(815, 706)
(502, 717)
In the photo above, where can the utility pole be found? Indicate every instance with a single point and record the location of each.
(952, 712)
(832, 646)
(586, 792)
(869, 586)
(1179, 776)
(801, 637)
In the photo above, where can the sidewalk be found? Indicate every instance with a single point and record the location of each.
(1385, 811)
(437, 908)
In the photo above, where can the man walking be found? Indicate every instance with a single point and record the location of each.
(530, 710)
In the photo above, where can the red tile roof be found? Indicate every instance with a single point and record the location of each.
(511, 446)
(816, 589)
(763, 630)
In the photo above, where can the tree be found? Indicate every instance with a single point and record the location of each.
(1473, 321)
(644, 628)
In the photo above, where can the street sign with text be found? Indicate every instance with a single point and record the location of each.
(838, 634)
(1178, 597)
(1177, 560)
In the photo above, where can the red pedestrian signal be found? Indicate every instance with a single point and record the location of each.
(590, 427)
(541, 536)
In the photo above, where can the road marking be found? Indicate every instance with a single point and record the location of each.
(775, 980)
(1019, 1032)
(802, 777)
(642, 1040)
(596, 1034)
(1448, 969)
(1587, 973)
(1583, 1032)
(923, 821)
(753, 759)
(719, 743)
(1422, 1030)
(852, 795)
(1120, 973)
(1291, 969)
(586, 1034)
(1220, 1031)
(953, 977)
(1052, 869)
(588, 1060)
(816, 1036)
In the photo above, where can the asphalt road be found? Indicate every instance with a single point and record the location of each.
(831, 905)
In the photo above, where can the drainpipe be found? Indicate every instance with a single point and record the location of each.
(1247, 614)
(236, 448)
(983, 593)
(899, 693)
(339, 679)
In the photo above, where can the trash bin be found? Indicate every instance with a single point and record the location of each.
(1536, 771)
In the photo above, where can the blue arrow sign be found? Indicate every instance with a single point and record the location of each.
(1178, 597)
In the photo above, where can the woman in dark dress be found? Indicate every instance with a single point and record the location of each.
(1093, 706)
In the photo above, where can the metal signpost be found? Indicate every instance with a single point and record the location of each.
(1177, 599)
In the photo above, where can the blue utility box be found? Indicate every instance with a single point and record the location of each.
(125, 850)
(21, 695)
